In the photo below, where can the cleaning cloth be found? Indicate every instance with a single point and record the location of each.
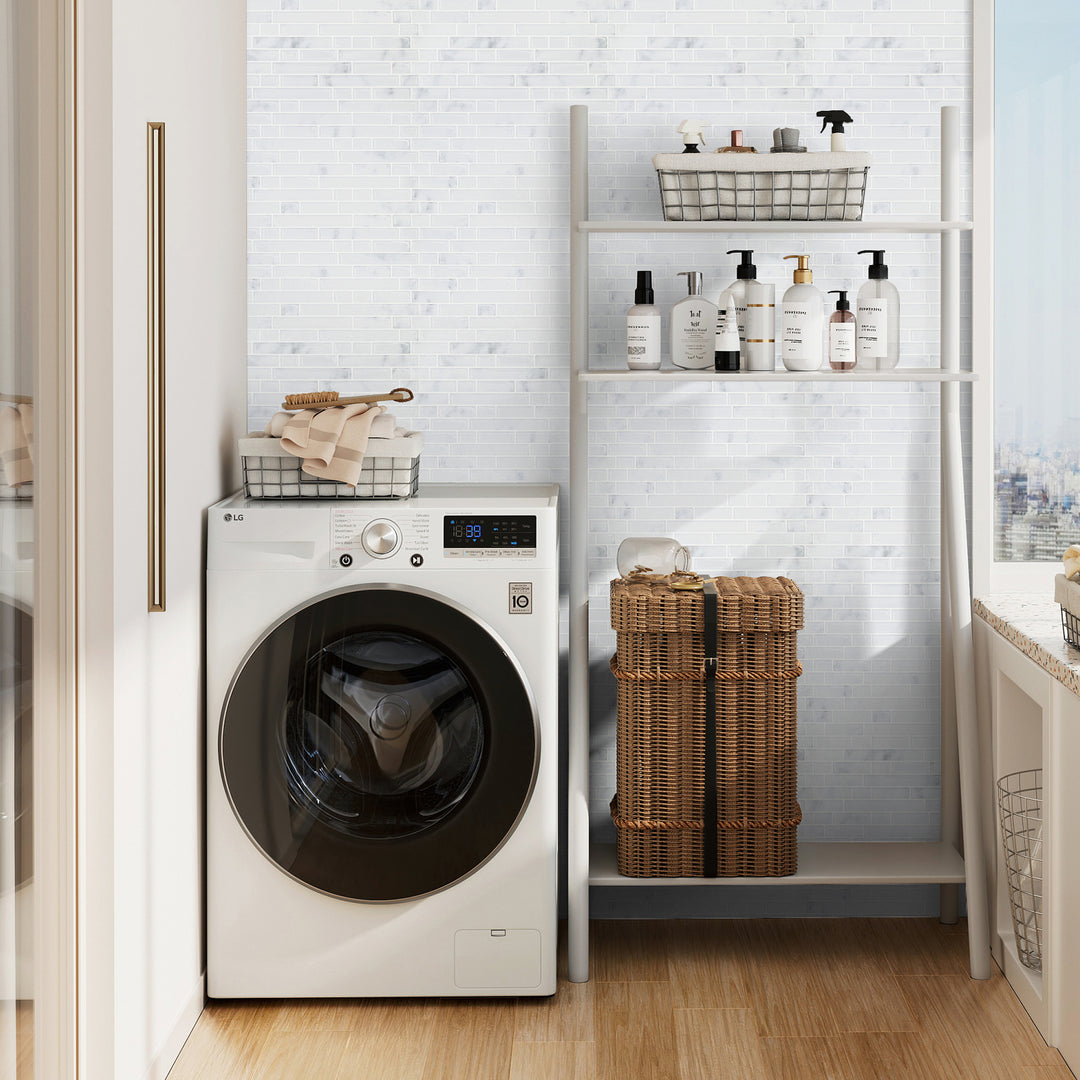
(17, 444)
(331, 441)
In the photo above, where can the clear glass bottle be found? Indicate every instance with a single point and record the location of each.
(877, 318)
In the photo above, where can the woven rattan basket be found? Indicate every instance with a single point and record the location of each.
(667, 788)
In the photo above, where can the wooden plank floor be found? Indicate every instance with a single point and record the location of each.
(825, 999)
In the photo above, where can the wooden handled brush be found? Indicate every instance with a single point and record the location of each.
(323, 399)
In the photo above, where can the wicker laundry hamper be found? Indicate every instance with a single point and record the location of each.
(706, 672)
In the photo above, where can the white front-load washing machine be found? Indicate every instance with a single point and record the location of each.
(382, 726)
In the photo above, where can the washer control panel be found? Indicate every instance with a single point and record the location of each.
(357, 536)
(489, 536)
(361, 537)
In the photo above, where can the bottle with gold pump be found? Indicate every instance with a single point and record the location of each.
(803, 321)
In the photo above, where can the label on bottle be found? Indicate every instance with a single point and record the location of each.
(693, 335)
(802, 333)
(842, 344)
(873, 329)
(643, 340)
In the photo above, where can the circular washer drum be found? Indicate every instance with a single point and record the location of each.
(379, 744)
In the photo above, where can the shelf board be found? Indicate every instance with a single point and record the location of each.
(821, 863)
(884, 225)
(932, 375)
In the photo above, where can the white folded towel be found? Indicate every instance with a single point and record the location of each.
(17, 444)
(383, 427)
(276, 424)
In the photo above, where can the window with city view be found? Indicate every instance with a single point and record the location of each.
(1037, 279)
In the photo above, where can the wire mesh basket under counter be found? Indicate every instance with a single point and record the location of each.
(391, 470)
(762, 187)
(1020, 802)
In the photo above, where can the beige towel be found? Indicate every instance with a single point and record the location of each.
(331, 441)
(17, 444)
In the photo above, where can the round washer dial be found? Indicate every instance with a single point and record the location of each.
(381, 538)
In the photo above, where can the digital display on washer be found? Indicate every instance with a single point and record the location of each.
(489, 532)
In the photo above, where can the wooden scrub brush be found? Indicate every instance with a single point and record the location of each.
(322, 399)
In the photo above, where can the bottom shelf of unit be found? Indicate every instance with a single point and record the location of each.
(822, 863)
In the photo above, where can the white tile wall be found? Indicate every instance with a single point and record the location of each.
(408, 172)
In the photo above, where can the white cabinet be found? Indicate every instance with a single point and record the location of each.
(1030, 720)
(180, 63)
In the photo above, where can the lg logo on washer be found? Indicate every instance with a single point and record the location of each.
(521, 598)
(234, 517)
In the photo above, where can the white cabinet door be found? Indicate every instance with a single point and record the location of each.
(180, 63)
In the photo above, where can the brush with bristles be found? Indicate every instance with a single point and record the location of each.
(322, 399)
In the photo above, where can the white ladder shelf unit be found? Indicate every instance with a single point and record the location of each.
(848, 863)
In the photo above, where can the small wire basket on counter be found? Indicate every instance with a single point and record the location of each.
(1070, 628)
(389, 471)
(1020, 799)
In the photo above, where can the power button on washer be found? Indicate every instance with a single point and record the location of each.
(346, 559)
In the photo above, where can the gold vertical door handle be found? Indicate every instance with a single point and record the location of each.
(155, 365)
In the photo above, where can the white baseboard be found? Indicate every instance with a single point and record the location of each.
(178, 1035)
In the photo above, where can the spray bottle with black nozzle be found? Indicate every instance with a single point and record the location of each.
(838, 118)
(693, 132)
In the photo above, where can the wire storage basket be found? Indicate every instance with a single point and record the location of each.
(1070, 627)
(18, 493)
(391, 470)
(1020, 799)
(762, 187)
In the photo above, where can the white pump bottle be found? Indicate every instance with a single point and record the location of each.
(803, 321)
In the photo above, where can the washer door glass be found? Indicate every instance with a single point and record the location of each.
(379, 744)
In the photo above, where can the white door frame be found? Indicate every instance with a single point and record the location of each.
(988, 576)
(55, 746)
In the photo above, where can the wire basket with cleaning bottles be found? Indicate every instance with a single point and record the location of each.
(391, 470)
(1020, 803)
(763, 187)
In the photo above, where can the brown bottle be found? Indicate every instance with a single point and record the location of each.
(842, 334)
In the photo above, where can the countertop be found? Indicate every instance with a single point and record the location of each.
(1033, 624)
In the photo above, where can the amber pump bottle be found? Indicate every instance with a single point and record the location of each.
(842, 334)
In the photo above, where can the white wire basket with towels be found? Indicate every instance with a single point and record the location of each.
(390, 470)
(827, 186)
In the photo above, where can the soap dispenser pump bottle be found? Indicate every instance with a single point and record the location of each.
(842, 334)
(877, 317)
(693, 327)
(745, 276)
(803, 320)
(643, 327)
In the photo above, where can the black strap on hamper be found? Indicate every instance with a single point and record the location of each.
(709, 833)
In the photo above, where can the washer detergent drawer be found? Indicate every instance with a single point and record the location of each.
(496, 959)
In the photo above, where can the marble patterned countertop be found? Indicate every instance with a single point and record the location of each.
(1033, 624)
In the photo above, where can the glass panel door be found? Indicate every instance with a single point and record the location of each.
(1037, 247)
(36, 1010)
(17, 279)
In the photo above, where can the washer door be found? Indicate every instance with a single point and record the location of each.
(379, 744)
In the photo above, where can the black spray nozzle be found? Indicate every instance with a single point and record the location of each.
(878, 269)
(643, 294)
(837, 117)
(841, 304)
(746, 269)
